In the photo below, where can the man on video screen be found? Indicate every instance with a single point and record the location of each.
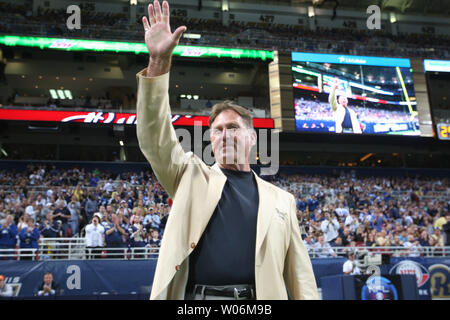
(345, 118)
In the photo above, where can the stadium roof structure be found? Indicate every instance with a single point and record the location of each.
(434, 7)
(131, 47)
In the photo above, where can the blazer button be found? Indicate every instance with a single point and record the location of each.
(177, 267)
(192, 245)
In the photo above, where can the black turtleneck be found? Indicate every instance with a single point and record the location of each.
(225, 254)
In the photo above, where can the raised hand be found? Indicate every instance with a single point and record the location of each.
(335, 83)
(160, 41)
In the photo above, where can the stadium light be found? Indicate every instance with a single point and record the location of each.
(367, 156)
(133, 47)
(393, 17)
(192, 35)
(121, 143)
(68, 94)
(53, 94)
(61, 94)
(225, 6)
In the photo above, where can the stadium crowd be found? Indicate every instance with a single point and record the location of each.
(317, 110)
(50, 203)
(18, 19)
(131, 209)
(349, 211)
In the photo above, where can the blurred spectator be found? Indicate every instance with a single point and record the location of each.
(329, 227)
(95, 237)
(152, 220)
(423, 239)
(49, 228)
(116, 237)
(446, 229)
(5, 289)
(338, 243)
(138, 238)
(154, 240)
(91, 206)
(309, 243)
(48, 287)
(349, 266)
(413, 245)
(323, 248)
(74, 220)
(440, 221)
(31, 210)
(29, 237)
(437, 236)
(63, 214)
(8, 235)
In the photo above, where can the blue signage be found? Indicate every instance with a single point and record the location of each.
(123, 277)
(347, 59)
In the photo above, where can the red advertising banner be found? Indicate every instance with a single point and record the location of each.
(100, 117)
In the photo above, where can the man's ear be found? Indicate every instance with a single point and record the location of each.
(253, 137)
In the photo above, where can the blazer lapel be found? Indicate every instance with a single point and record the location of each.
(215, 187)
(264, 211)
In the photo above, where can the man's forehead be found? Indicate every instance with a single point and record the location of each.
(227, 116)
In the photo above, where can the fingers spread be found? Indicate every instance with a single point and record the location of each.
(177, 33)
(151, 14)
(158, 14)
(165, 11)
(145, 23)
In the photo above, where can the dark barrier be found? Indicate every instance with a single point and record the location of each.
(135, 277)
(364, 287)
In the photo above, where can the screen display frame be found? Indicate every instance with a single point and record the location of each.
(411, 127)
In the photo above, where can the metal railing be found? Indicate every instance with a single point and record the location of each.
(75, 249)
(415, 251)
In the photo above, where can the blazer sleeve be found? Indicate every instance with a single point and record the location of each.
(298, 271)
(332, 99)
(156, 135)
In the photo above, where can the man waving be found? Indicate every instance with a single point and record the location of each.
(230, 234)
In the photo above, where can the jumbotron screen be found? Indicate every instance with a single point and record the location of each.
(438, 81)
(354, 94)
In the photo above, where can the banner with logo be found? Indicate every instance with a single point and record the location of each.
(109, 118)
(86, 277)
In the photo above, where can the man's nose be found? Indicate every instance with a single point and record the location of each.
(226, 134)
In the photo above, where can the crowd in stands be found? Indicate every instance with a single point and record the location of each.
(317, 110)
(131, 209)
(344, 210)
(17, 19)
(50, 203)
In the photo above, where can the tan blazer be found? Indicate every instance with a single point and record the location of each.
(281, 259)
(339, 114)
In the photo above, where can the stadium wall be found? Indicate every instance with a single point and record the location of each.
(123, 277)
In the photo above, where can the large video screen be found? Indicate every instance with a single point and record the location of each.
(354, 94)
(438, 81)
